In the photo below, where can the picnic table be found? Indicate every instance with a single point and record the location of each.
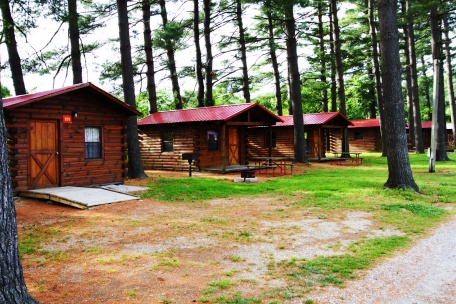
(340, 157)
(270, 162)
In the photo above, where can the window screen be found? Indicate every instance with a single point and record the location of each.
(212, 141)
(359, 135)
(92, 142)
(167, 141)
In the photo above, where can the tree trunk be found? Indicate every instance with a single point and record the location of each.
(377, 72)
(373, 103)
(427, 96)
(408, 79)
(199, 62)
(245, 73)
(135, 167)
(150, 73)
(275, 65)
(11, 45)
(12, 285)
(295, 85)
(418, 139)
(339, 71)
(436, 41)
(73, 28)
(333, 64)
(209, 59)
(321, 38)
(449, 71)
(171, 58)
(399, 170)
(290, 102)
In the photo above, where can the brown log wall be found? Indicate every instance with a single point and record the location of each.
(257, 142)
(75, 170)
(371, 141)
(188, 138)
(154, 158)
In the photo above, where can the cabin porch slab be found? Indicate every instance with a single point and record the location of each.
(79, 197)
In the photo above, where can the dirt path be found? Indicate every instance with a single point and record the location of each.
(147, 251)
(424, 274)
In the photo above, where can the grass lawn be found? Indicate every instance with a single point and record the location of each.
(223, 242)
(329, 190)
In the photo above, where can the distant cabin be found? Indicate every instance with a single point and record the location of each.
(364, 135)
(218, 135)
(322, 134)
(72, 136)
(426, 127)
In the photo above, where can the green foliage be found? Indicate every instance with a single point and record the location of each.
(335, 270)
(5, 92)
(172, 33)
(222, 284)
(417, 209)
(223, 96)
(268, 101)
(237, 299)
(360, 94)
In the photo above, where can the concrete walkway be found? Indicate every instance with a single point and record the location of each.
(79, 197)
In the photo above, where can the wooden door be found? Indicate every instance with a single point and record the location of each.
(233, 146)
(43, 154)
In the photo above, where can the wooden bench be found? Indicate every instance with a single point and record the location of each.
(267, 167)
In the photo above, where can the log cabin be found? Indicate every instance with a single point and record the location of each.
(71, 136)
(365, 136)
(322, 134)
(216, 136)
(426, 127)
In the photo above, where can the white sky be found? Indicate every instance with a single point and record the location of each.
(38, 38)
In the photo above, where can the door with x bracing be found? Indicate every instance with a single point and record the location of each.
(43, 154)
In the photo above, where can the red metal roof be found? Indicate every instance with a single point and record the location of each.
(17, 101)
(365, 123)
(426, 124)
(313, 119)
(215, 113)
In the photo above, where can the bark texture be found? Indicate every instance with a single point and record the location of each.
(399, 170)
(419, 146)
(171, 59)
(339, 70)
(135, 166)
(12, 285)
(209, 58)
(449, 71)
(322, 55)
(150, 73)
(274, 62)
(11, 45)
(199, 61)
(295, 85)
(243, 51)
(73, 28)
(437, 54)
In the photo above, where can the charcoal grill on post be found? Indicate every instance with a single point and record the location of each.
(190, 157)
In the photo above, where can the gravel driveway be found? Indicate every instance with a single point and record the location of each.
(424, 274)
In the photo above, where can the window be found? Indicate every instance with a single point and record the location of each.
(359, 135)
(167, 141)
(212, 141)
(92, 142)
(274, 140)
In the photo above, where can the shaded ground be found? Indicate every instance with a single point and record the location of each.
(154, 252)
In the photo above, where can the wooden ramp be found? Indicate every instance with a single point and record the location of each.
(79, 197)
